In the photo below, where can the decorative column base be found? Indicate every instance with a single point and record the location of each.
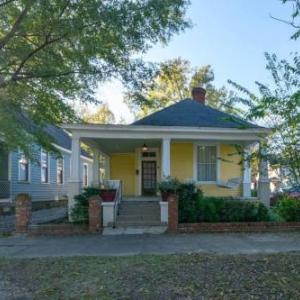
(264, 192)
(163, 212)
(246, 190)
(108, 214)
(74, 189)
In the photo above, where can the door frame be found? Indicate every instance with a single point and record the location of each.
(140, 159)
(154, 177)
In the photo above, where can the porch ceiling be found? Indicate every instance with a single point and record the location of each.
(109, 146)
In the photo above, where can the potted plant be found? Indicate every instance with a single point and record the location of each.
(107, 193)
(167, 187)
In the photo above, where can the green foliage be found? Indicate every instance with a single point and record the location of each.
(174, 82)
(53, 53)
(288, 209)
(80, 213)
(103, 115)
(295, 17)
(170, 185)
(277, 107)
(188, 197)
(217, 209)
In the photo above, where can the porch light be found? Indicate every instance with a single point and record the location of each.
(145, 148)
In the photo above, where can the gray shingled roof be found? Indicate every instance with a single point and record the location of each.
(190, 113)
(61, 138)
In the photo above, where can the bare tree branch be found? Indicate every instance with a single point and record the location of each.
(286, 22)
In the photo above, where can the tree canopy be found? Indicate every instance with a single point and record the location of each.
(174, 82)
(295, 17)
(102, 115)
(278, 107)
(54, 52)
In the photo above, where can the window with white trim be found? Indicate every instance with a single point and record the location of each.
(44, 166)
(85, 175)
(23, 165)
(60, 170)
(207, 163)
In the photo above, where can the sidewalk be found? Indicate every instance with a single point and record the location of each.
(7, 222)
(124, 245)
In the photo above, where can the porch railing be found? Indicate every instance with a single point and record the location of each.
(4, 189)
(117, 185)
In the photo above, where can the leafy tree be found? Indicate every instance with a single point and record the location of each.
(278, 107)
(55, 52)
(295, 17)
(174, 82)
(103, 115)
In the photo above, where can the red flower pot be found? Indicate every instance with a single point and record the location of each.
(165, 195)
(108, 195)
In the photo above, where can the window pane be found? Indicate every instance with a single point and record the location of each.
(24, 172)
(23, 168)
(85, 175)
(44, 167)
(59, 174)
(207, 163)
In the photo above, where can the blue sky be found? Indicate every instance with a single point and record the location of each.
(231, 36)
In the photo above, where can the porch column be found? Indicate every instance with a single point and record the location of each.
(165, 158)
(263, 181)
(96, 167)
(246, 173)
(107, 167)
(75, 181)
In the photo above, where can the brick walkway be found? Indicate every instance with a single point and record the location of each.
(7, 223)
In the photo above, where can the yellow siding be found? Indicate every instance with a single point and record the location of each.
(229, 168)
(182, 167)
(182, 161)
(122, 167)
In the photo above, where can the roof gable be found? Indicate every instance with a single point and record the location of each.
(190, 113)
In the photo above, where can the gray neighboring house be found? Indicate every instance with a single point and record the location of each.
(44, 178)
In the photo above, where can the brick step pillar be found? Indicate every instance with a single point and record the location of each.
(95, 214)
(172, 213)
(23, 213)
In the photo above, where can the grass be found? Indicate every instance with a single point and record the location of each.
(194, 276)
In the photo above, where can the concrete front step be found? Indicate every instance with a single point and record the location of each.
(135, 230)
(137, 223)
(138, 218)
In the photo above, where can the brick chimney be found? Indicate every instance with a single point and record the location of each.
(198, 94)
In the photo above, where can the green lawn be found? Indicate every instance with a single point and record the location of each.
(153, 277)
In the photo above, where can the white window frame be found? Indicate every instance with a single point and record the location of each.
(63, 170)
(195, 162)
(87, 175)
(20, 154)
(48, 166)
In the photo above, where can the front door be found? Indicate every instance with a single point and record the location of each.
(149, 177)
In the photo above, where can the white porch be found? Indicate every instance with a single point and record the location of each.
(108, 140)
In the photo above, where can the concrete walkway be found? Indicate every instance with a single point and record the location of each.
(7, 222)
(98, 245)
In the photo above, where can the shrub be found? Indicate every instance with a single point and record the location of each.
(218, 209)
(79, 212)
(188, 199)
(169, 185)
(288, 209)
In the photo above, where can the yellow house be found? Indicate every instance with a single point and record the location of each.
(187, 140)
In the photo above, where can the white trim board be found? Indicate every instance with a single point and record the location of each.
(162, 132)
